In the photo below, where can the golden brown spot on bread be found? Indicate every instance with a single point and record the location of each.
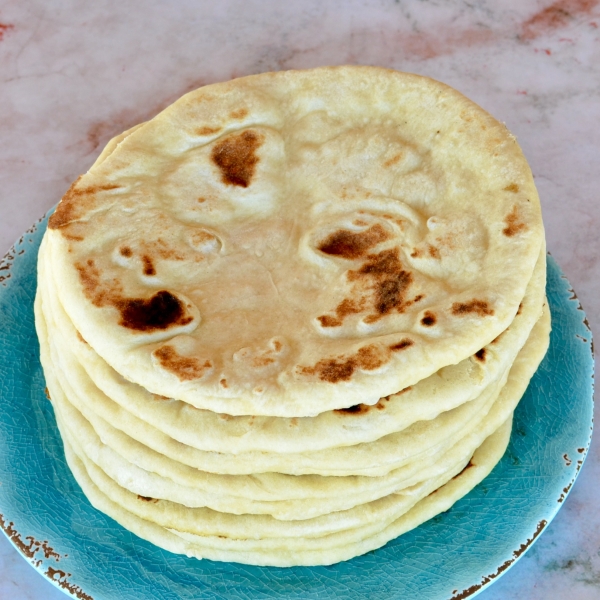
(520, 308)
(480, 307)
(495, 340)
(466, 116)
(392, 161)
(480, 355)
(81, 339)
(89, 275)
(223, 382)
(513, 187)
(69, 208)
(513, 223)
(428, 319)
(380, 285)
(148, 266)
(201, 200)
(361, 409)
(235, 156)
(201, 237)
(348, 307)
(372, 319)
(342, 368)
(125, 251)
(388, 280)
(239, 113)
(277, 345)
(208, 130)
(161, 311)
(159, 397)
(328, 321)
(65, 211)
(262, 361)
(401, 345)
(357, 409)
(345, 307)
(350, 244)
(186, 368)
(294, 421)
(433, 251)
(161, 249)
(147, 499)
(469, 465)
(47, 392)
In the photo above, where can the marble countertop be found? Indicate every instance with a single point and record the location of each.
(76, 73)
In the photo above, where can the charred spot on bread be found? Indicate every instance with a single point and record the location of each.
(236, 157)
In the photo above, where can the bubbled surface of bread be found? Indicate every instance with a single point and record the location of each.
(293, 243)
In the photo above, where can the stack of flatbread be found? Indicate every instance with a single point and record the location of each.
(290, 318)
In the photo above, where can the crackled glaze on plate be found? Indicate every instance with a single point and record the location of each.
(453, 556)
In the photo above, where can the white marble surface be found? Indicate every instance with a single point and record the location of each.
(75, 73)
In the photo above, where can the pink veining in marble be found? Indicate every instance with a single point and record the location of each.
(556, 16)
(5, 28)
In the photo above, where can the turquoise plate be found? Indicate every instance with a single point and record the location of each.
(453, 556)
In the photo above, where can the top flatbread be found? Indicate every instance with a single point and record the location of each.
(291, 243)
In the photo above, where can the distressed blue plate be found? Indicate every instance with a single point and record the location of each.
(453, 556)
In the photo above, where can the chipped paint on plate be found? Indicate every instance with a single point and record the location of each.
(453, 556)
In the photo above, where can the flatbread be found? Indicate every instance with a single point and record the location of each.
(290, 317)
(385, 224)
